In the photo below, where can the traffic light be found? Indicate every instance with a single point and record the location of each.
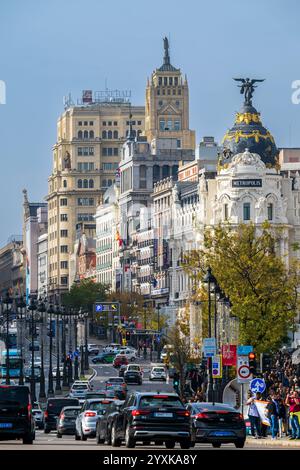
(252, 362)
(176, 382)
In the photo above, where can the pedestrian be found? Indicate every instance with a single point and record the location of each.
(292, 400)
(282, 417)
(253, 415)
(273, 414)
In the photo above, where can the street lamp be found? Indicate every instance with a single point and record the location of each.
(21, 306)
(76, 365)
(42, 309)
(158, 339)
(210, 280)
(7, 305)
(63, 348)
(32, 308)
(81, 319)
(50, 311)
(57, 383)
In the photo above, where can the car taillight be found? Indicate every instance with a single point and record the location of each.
(29, 408)
(183, 413)
(124, 385)
(241, 416)
(201, 416)
(62, 416)
(90, 413)
(46, 414)
(139, 412)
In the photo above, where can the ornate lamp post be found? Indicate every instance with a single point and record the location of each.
(86, 352)
(50, 311)
(210, 280)
(82, 356)
(57, 382)
(158, 331)
(42, 309)
(21, 306)
(7, 305)
(76, 365)
(32, 308)
(63, 348)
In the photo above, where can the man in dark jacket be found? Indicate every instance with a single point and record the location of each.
(273, 414)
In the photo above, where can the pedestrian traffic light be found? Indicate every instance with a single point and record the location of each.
(252, 362)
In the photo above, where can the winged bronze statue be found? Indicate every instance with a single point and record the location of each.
(247, 88)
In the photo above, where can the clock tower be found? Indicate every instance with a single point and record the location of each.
(167, 105)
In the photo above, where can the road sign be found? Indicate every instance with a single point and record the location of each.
(229, 354)
(243, 370)
(209, 347)
(217, 366)
(106, 307)
(244, 350)
(257, 385)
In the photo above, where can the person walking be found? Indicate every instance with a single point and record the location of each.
(292, 400)
(273, 414)
(253, 415)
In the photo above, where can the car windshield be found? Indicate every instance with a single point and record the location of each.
(17, 396)
(79, 387)
(71, 413)
(158, 369)
(134, 368)
(96, 395)
(155, 401)
(98, 406)
(115, 380)
(56, 405)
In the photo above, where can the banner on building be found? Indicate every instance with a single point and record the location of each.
(229, 354)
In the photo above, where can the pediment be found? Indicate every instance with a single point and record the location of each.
(169, 109)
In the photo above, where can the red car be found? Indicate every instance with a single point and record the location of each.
(120, 360)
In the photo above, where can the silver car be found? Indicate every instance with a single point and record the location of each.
(87, 419)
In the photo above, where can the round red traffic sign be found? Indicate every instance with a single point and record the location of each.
(244, 371)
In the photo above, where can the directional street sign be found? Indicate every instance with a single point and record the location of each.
(106, 307)
(217, 366)
(209, 347)
(257, 385)
(243, 370)
(243, 350)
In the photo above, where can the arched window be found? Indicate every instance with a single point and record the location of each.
(64, 183)
(156, 173)
(104, 183)
(116, 135)
(85, 135)
(79, 184)
(166, 171)
(91, 183)
(109, 182)
(109, 135)
(85, 183)
(79, 134)
(175, 172)
(91, 134)
(104, 134)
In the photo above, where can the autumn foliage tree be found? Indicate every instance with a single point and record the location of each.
(263, 292)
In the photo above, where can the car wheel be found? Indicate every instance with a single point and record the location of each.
(58, 435)
(108, 437)
(99, 440)
(77, 438)
(216, 445)
(83, 437)
(115, 442)
(129, 441)
(185, 444)
(46, 431)
(170, 444)
(28, 439)
(239, 444)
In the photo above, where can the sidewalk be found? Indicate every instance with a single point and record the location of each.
(268, 442)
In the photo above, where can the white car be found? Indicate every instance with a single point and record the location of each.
(86, 420)
(129, 353)
(158, 373)
(112, 347)
(134, 367)
(79, 389)
(61, 372)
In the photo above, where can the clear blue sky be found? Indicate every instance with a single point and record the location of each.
(50, 48)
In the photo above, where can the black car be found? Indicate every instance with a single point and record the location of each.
(16, 420)
(36, 371)
(216, 424)
(95, 394)
(122, 370)
(157, 417)
(53, 409)
(66, 420)
(133, 377)
(104, 423)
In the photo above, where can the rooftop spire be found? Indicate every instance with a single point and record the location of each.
(166, 48)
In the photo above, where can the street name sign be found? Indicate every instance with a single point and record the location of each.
(209, 347)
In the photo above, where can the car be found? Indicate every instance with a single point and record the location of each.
(35, 346)
(16, 419)
(90, 347)
(93, 352)
(37, 374)
(79, 389)
(148, 416)
(95, 394)
(217, 423)
(11, 382)
(38, 416)
(104, 358)
(158, 373)
(53, 409)
(122, 369)
(112, 347)
(54, 371)
(66, 421)
(120, 360)
(135, 367)
(86, 420)
(167, 350)
(113, 382)
(104, 425)
(129, 353)
(133, 376)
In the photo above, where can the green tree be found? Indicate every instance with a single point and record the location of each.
(85, 294)
(263, 292)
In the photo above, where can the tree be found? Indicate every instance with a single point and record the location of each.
(85, 294)
(263, 292)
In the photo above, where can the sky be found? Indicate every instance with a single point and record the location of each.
(51, 48)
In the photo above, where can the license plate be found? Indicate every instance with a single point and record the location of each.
(163, 415)
(222, 433)
(5, 425)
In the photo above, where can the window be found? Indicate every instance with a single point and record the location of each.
(109, 123)
(246, 211)
(178, 143)
(225, 211)
(179, 91)
(177, 126)
(79, 151)
(169, 125)
(109, 134)
(85, 135)
(85, 123)
(162, 125)
(116, 151)
(107, 166)
(104, 183)
(64, 202)
(160, 80)
(91, 183)
(64, 217)
(64, 280)
(64, 265)
(91, 123)
(171, 81)
(115, 123)
(91, 150)
(64, 248)
(64, 183)
(160, 103)
(104, 134)
(79, 134)
(109, 182)
(85, 217)
(79, 123)
(85, 183)
(156, 173)
(270, 211)
(91, 134)
(103, 123)
(165, 81)
(79, 184)
(85, 201)
(116, 135)
(175, 81)
(166, 171)
(64, 233)
(139, 123)
(85, 166)
(143, 177)
(158, 91)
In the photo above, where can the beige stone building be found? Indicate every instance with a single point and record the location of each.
(86, 158)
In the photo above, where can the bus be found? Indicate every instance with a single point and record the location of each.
(12, 336)
(15, 363)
